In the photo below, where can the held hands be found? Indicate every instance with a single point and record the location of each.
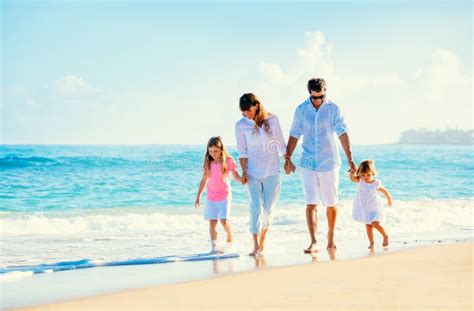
(352, 166)
(289, 166)
(352, 173)
(245, 178)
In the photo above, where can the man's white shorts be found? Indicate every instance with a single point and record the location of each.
(320, 186)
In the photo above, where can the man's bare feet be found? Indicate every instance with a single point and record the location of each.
(312, 248)
(371, 246)
(331, 246)
(385, 241)
(255, 252)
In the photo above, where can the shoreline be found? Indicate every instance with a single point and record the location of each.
(365, 283)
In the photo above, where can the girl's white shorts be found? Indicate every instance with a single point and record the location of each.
(217, 209)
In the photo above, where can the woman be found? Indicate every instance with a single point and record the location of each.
(260, 142)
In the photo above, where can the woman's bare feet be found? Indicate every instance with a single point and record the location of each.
(313, 247)
(371, 246)
(385, 241)
(261, 241)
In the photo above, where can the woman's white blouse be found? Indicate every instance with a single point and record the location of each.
(261, 150)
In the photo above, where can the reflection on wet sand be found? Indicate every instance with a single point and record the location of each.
(315, 255)
(260, 261)
(332, 253)
(223, 266)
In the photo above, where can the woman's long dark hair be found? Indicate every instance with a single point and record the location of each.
(261, 116)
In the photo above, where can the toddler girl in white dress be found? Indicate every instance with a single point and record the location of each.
(368, 206)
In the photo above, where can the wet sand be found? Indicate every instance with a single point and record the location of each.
(427, 278)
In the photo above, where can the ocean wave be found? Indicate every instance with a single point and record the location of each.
(166, 163)
(42, 223)
(14, 272)
(110, 236)
(15, 161)
(421, 215)
(87, 161)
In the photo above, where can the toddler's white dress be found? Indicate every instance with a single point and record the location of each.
(368, 206)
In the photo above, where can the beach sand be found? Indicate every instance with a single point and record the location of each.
(427, 278)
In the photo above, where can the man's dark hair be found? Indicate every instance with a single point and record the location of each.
(316, 85)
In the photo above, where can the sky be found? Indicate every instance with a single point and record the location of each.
(155, 72)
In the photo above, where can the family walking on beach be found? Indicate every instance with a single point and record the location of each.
(260, 144)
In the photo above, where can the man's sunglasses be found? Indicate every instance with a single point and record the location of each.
(322, 97)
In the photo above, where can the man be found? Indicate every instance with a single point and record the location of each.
(319, 121)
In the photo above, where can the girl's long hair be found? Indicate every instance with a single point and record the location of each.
(365, 167)
(261, 116)
(215, 142)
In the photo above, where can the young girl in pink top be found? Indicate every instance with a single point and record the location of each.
(218, 165)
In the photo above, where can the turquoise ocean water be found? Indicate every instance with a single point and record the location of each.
(83, 205)
(66, 178)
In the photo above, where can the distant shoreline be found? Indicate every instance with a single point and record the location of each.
(437, 137)
(432, 144)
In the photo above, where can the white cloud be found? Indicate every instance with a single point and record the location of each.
(445, 78)
(437, 96)
(59, 112)
(313, 58)
(70, 84)
(69, 96)
(446, 66)
(71, 90)
(378, 106)
(445, 90)
(275, 73)
(317, 54)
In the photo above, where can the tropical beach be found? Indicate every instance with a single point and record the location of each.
(236, 155)
(55, 251)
